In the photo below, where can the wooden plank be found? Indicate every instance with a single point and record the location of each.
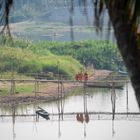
(63, 81)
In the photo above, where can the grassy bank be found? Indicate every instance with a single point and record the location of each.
(103, 54)
(25, 58)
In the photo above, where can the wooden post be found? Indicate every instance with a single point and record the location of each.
(14, 87)
(58, 88)
(12, 92)
(35, 88)
(61, 100)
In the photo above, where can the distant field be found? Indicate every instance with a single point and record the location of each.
(37, 30)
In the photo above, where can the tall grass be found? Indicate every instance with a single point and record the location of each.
(103, 54)
(28, 59)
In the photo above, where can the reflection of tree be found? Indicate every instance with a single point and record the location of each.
(60, 101)
(13, 109)
(59, 128)
(113, 129)
(113, 100)
(84, 117)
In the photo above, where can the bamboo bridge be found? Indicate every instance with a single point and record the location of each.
(96, 83)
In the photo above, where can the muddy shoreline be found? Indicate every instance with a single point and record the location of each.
(47, 92)
(50, 94)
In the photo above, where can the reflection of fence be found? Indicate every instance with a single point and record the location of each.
(93, 115)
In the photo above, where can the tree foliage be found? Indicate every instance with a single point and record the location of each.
(21, 57)
(103, 54)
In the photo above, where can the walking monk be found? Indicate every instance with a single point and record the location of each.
(85, 76)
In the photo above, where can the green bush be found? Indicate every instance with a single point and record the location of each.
(57, 57)
(103, 54)
(24, 60)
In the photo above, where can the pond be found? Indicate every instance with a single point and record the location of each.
(99, 126)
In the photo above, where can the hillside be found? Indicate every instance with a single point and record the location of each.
(20, 58)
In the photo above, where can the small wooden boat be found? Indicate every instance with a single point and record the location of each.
(43, 113)
(104, 85)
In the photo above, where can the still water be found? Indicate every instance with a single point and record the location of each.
(98, 127)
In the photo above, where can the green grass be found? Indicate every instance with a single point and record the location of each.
(25, 89)
(4, 91)
(15, 75)
(20, 89)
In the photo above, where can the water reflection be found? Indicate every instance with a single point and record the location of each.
(113, 128)
(13, 109)
(113, 100)
(77, 120)
(60, 105)
(61, 100)
(81, 117)
(84, 117)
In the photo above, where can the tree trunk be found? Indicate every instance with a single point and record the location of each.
(127, 42)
